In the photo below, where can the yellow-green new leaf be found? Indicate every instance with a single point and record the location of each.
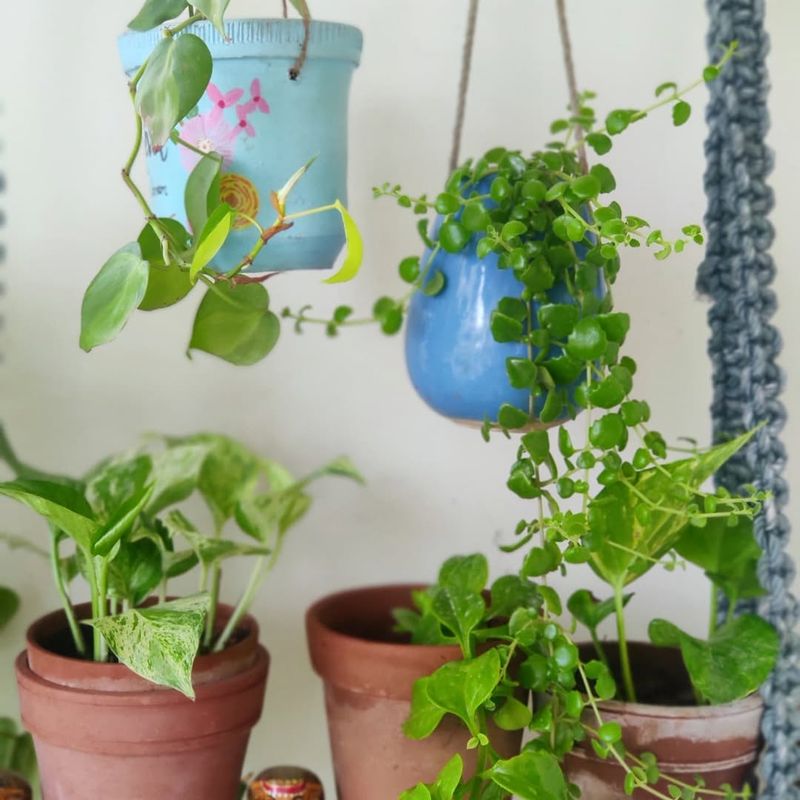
(355, 248)
(215, 232)
(284, 192)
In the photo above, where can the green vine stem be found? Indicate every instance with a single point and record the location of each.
(622, 641)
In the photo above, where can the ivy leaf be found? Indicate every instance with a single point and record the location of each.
(174, 81)
(732, 664)
(156, 12)
(462, 687)
(234, 323)
(458, 609)
(468, 572)
(354, 246)
(532, 775)
(112, 296)
(425, 715)
(159, 643)
(214, 11)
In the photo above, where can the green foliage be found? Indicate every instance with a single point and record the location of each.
(167, 261)
(159, 642)
(129, 537)
(235, 323)
(732, 663)
(609, 493)
(173, 82)
(112, 296)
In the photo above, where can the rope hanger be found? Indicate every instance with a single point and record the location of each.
(466, 70)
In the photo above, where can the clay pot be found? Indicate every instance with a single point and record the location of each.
(102, 731)
(720, 743)
(369, 672)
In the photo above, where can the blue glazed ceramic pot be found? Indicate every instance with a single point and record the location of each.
(453, 361)
(265, 126)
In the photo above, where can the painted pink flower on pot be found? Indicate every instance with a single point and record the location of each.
(212, 132)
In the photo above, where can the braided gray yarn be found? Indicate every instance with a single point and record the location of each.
(737, 274)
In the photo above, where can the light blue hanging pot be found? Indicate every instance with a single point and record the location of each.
(265, 125)
(453, 360)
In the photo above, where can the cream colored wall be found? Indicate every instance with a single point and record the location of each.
(434, 488)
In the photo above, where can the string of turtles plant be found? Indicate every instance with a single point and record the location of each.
(614, 500)
(167, 261)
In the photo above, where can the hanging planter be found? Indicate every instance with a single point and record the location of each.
(244, 128)
(369, 672)
(264, 120)
(460, 351)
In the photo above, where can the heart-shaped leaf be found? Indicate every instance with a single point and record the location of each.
(112, 296)
(159, 642)
(173, 82)
(234, 323)
(732, 664)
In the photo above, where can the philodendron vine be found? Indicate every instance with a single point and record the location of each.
(618, 499)
(130, 536)
(167, 261)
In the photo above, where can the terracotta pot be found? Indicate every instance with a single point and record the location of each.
(720, 743)
(102, 731)
(368, 673)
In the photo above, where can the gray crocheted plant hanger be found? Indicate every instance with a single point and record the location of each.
(737, 275)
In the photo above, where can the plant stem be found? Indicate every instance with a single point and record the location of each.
(102, 591)
(58, 577)
(91, 578)
(712, 622)
(624, 655)
(169, 32)
(261, 568)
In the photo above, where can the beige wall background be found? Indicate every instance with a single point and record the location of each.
(434, 488)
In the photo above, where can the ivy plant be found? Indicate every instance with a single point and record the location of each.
(167, 261)
(620, 499)
(123, 529)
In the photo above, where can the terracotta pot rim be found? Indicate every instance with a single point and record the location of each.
(667, 766)
(317, 626)
(50, 663)
(151, 696)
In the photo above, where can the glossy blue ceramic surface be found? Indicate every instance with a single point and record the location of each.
(266, 126)
(453, 361)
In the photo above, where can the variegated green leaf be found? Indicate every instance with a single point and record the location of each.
(209, 550)
(63, 507)
(623, 548)
(159, 643)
